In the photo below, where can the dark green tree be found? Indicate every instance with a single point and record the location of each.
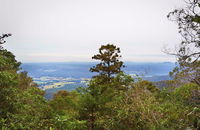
(103, 88)
(7, 59)
(22, 105)
(8, 79)
(109, 61)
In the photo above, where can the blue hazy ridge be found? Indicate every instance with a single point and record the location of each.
(53, 77)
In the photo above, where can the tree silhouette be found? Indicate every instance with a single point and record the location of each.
(2, 41)
(188, 52)
(109, 61)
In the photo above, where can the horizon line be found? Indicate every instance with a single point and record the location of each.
(98, 62)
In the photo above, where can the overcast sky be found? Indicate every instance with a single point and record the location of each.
(73, 30)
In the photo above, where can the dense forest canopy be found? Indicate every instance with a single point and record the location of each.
(112, 100)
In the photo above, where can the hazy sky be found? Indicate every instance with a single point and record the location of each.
(73, 30)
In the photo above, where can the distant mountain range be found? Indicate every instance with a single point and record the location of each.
(53, 77)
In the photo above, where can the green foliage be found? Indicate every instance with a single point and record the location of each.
(8, 61)
(69, 123)
(22, 106)
(31, 109)
(97, 100)
(134, 109)
(112, 100)
(122, 81)
(65, 102)
(103, 88)
(178, 106)
(110, 64)
(66, 108)
(147, 85)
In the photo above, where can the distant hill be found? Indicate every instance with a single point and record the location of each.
(53, 77)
